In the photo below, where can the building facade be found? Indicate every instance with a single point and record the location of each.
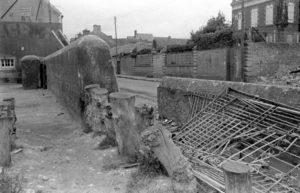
(27, 27)
(266, 15)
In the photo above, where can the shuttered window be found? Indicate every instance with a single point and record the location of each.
(254, 17)
(291, 12)
(239, 19)
(269, 14)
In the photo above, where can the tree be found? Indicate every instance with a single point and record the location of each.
(281, 20)
(214, 24)
(215, 34)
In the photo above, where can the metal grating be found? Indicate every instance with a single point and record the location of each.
(198, 101)
(239, 127)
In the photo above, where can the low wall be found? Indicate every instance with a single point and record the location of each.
(173, 102)
(84, 62)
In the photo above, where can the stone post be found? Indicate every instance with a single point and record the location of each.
(237, 177)
(179, 169)
(10, 103)
(5, 146)
(124, 119)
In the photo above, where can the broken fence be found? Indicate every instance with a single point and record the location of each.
(235, 126)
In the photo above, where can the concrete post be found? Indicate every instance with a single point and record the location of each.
(5, 146)
(124, 119)
(237, 177)
(10, 102)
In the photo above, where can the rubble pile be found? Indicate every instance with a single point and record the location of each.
(284, 76)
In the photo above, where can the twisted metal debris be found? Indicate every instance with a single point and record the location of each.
(240, 127)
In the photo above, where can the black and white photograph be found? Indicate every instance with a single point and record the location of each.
(150, 96)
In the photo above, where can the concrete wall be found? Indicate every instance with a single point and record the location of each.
(127, 64)
(270, 60)
(84, 62)
(173, 103)
(19, 39)
(158, 63)
(211, 64)
(179, 59)
(143, 65)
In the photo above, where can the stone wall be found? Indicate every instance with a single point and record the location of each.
(270, 61)
(84, 62)
(173, 102)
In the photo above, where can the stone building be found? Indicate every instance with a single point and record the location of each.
(27, 27)
(264, 15)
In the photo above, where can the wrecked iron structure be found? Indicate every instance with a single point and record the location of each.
(236, 126)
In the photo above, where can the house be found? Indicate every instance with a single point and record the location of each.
(141, 36)
(27, 27)
(98, 32)
(266, 17)
(107, 38)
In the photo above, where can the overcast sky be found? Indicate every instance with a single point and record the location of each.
(176, 18)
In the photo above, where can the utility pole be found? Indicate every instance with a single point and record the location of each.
(116, 35)
(243, 43)
(117, 57)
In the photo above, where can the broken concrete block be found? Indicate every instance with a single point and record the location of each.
(179, 169)
(124, 119)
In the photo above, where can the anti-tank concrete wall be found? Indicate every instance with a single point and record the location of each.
(84, 62)
(173, 102)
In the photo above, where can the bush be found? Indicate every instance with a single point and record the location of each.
(180, 48)
(140, 52)
(219, 39)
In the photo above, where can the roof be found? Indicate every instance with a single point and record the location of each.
(128, 48)
(142, 36)
(28, 8)
(167, 41)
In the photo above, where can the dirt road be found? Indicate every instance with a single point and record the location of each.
(56, 156)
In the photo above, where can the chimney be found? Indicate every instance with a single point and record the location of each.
(96, 29)
(135, 33)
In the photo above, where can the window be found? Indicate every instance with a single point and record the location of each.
(291, 12)
(269, 15)
(239, 18)
(7, 63)
(254, 17)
